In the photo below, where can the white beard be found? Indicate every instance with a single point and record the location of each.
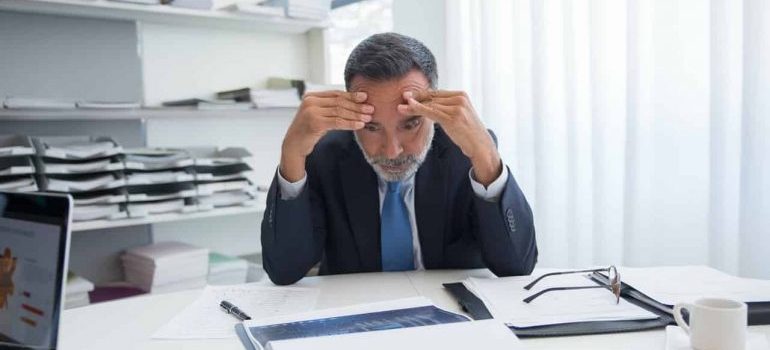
(413, 161)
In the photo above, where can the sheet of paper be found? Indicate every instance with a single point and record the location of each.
(487, 334)
(503, 297)
(673, 284)
(205, 319)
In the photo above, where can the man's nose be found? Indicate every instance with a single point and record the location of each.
(393, 147)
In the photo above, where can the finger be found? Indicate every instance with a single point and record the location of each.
(355, 96)
(450, 110)
(337, 123)
(344, 103)
(433, 112)
(424, 95)
(344, 113)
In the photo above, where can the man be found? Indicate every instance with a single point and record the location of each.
(392, 175)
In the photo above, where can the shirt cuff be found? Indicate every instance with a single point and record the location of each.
(492, 192)
(290, 190)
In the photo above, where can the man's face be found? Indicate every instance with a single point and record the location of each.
(394, 144)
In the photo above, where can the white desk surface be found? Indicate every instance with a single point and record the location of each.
(129, 323)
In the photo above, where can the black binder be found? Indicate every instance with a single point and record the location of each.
(759, 314)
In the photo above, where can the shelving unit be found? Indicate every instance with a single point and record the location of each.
(160, 14)
(137, 114)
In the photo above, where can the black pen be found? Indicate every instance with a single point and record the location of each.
(234, 310)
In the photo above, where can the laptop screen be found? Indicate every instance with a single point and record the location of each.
(34, 241)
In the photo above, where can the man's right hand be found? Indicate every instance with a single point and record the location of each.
(319, 113)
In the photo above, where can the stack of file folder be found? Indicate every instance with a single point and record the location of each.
(223, 177)
(89, 168)
(76, 291)
(110, 183)
(225, 269)
(17, 168)
(166, 267)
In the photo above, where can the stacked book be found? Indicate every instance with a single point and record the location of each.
(17, 168)
(304, 9)
(89, 168)
(264, 98)
(76, 291)
(166, 267)
(159, 181)
(225, 269)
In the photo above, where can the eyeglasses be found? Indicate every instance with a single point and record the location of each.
(613, 283)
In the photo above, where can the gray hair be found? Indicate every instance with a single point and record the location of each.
(386, 56)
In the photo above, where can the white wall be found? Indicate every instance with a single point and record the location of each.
(183, 62)
(71, 58)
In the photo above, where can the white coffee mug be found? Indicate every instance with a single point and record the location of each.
(715, 324)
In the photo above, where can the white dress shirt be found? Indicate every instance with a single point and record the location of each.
(290, 190)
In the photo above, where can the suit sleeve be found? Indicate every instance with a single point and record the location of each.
(505, 230)
(293, 233)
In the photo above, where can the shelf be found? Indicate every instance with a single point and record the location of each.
(144, 113)
(163, 14)
(103, 224)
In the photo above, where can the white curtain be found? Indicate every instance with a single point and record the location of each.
(638, 129)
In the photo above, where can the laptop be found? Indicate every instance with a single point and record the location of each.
(34, 246)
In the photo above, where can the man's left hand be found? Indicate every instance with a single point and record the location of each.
(454, 112)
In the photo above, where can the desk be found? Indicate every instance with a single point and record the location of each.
(129, 323)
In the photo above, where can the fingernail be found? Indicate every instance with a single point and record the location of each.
(366, 118)
(368, 109)
(361, 95)
(408, 94)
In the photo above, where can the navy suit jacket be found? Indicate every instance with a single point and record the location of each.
(336, 218)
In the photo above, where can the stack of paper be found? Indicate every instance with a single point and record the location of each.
(203, 4)
(161, 192)
(158, 177)
(111, 196)
(225, 269)
(157, 159)
(99, 212)
(76, 147)
(166, 266)
(21, 165)
(144, 209)
(312, 87)
(254, 8)
(76, 291)
(37, 103)
(305, 9)
(83, 183)
(504, 296)
(23, 183)
(56, 166)
(16, 145)
(108, 104)
(278, 98)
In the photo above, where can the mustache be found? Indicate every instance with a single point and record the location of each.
(400, 161)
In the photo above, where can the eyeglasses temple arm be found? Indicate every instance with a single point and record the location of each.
(532, 284)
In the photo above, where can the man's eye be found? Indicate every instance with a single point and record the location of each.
(412, 124)
(371, 127)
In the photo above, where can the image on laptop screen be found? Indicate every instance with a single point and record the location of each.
(34, 240)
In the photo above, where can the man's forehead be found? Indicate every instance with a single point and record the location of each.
(390, 91)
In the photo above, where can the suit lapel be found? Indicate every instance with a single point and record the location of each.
(430, 202)
(359, 185)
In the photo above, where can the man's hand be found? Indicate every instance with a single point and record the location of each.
(454, 112)
(319, 113)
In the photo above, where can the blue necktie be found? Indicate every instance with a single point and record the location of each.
(395, 232)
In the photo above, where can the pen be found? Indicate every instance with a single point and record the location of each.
(234, 310)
